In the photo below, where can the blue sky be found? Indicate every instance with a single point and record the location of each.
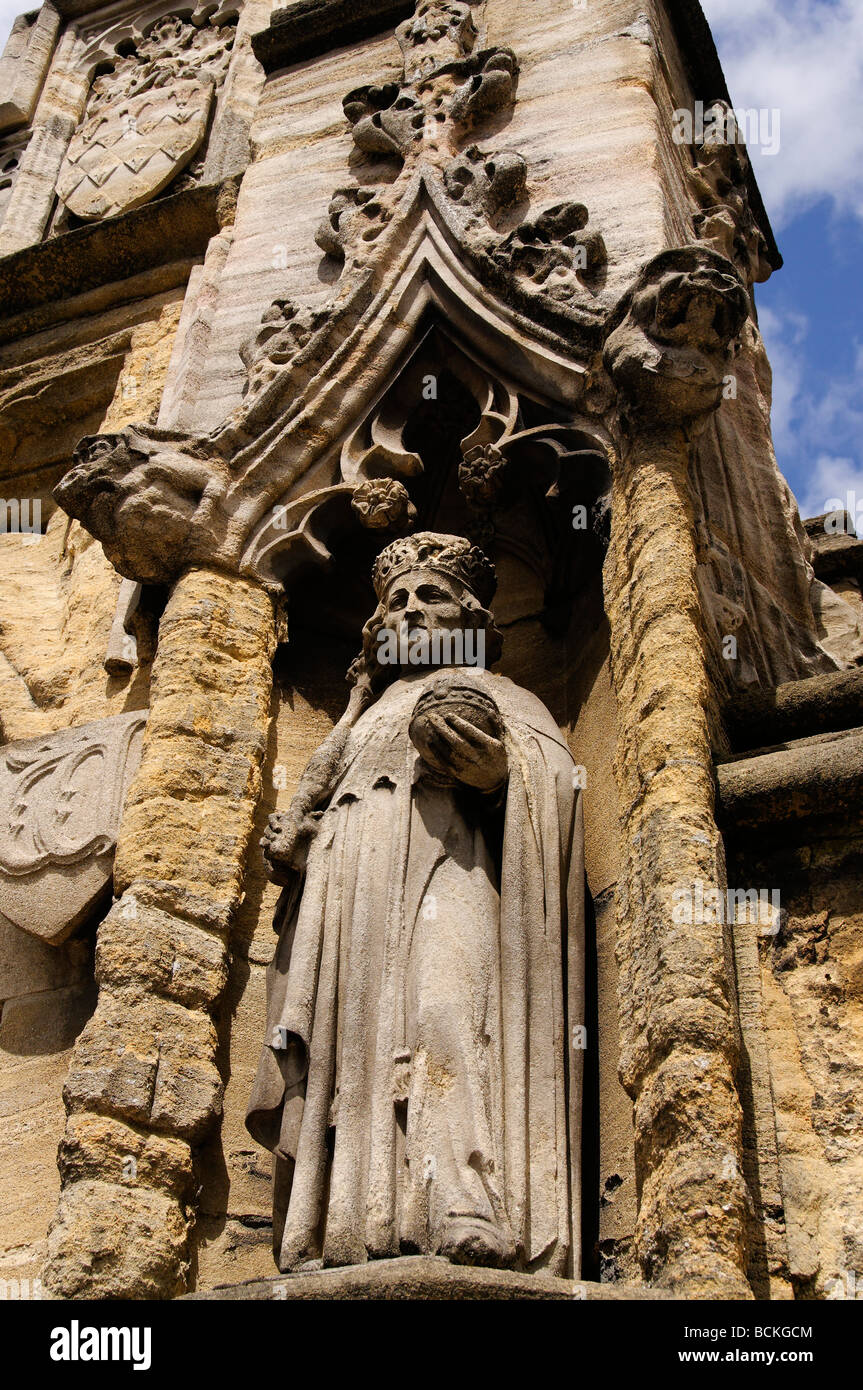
(804, 59)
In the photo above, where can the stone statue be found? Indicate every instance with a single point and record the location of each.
(414, 1085)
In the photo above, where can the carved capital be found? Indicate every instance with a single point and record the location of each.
(672, 338)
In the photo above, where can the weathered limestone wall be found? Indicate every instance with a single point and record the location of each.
(811, 1033)
(144, 1082)
(301, 147)
(46, 996)
(57, 114)
(753, 559)
(706, 542)
(58, 593)
(754, 568)
(573, 63)
(24, 64)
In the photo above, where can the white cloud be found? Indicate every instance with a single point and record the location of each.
(817, 432)
(804, 58)
(834, 480)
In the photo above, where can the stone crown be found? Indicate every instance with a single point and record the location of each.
(450, 555)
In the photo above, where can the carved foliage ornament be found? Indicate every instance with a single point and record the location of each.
(450, 86)
(145, 118)
(719, 185)
(263, 490)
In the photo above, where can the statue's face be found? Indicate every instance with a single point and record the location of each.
(423, 601)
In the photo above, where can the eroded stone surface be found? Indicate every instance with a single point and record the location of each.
(548, 210)
(63, 797)
(147, 1058)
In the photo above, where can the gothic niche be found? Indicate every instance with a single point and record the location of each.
(414, 1083)
(396, 1130)
(146, 118)
(452, 446)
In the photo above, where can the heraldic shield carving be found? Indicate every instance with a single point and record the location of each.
(145, 120)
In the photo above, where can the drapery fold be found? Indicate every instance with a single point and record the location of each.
(427, 978)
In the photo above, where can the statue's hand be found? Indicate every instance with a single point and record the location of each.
(456, 747)
(286, 843)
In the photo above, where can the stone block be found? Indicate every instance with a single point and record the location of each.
(103, 1149)
(149, 1062)
(142, 949)
(109, 1241)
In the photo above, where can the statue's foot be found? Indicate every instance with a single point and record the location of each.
(472, 1240)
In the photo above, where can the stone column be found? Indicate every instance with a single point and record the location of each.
(667, 351)
(144, 1088)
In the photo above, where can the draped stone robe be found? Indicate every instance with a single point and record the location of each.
(429, 972)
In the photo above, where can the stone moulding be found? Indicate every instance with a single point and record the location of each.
(798, 709)
(813, 777)
(701, 61)
(167, 230)
(63, 800)
(425, 1277)
(247, 494)
(25, 63)
(305, 30)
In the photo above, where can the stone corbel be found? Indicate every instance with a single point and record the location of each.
(670, 342)
(667, 350)
(159, 509)
(150, 500)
